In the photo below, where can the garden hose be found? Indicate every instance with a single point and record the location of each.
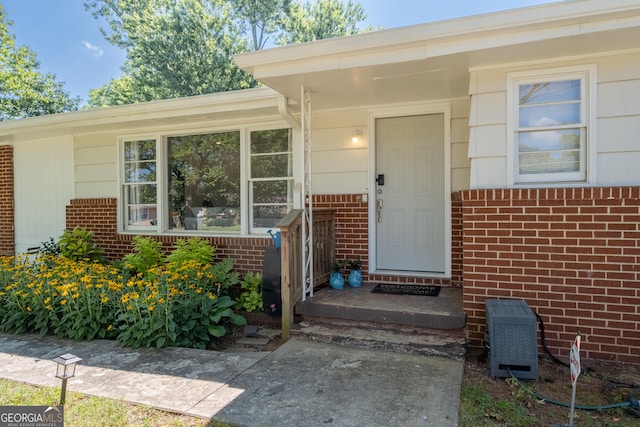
(631, 403)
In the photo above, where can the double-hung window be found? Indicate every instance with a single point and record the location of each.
(271, 177)
(550, 123)
(139, 184)
(199, 183)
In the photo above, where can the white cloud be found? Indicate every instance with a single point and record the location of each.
(95, 50)
(543, 121)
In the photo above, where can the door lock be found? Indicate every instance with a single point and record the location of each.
(380, 179)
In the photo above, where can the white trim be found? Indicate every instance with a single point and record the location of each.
(162, 226)
(400, 111)
(553, 62)
(587, 74)
(502, 28)
(120, 202)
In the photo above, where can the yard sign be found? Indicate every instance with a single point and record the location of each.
(574, 358)
(574, 362)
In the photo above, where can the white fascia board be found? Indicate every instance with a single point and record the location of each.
(444, 37)
(241, 100)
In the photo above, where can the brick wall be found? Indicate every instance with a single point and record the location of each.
(7, 221)
(352, 236)
(572, 254)
(100, 216)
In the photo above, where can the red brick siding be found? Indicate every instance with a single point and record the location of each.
(100, 216)
(571, 253)
(7, 219)
(352, 236)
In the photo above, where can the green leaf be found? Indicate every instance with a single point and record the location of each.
(238, 320)
(160, 342)
(217, 330)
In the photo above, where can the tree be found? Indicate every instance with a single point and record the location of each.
(24, 90)
(321, 19)
(174, 48)
(179, 48)
(264, 18)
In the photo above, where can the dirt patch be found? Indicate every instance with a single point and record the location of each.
(488, 401)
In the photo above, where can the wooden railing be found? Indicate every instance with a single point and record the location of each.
(291, 258)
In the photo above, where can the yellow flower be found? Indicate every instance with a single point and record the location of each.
(110, 327)
(151, 307)
(63, 302)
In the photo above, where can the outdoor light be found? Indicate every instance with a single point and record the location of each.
(355, 137)
(66, 369)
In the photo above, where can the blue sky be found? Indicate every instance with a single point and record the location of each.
(68, 43)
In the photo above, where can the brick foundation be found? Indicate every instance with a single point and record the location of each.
(7, 207)
(100, 216)
(571, 253)
(352, 237)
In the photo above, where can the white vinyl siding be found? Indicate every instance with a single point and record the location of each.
(43, 188)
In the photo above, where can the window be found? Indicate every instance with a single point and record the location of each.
(139, 184)
(549, 117)
(271, 182)
(193, 183)
(203, 173)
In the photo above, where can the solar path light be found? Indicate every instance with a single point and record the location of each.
(66, 369)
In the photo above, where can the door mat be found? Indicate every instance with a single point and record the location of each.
(392, 288)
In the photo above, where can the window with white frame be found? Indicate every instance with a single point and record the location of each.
(550, 121)
(139, 185)
(271, 178)
(200, 180)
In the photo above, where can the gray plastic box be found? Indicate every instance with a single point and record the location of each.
(512, 339)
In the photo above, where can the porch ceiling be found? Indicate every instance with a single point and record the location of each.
(432, 61)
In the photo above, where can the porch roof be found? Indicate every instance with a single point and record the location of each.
(431, 61)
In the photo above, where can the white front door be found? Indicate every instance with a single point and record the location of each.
(410, 210)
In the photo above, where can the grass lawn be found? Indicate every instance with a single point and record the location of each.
(81, 410)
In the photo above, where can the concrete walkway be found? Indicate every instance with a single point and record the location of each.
(299, 384)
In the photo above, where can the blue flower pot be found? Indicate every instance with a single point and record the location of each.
(355, 278)
(336, 281)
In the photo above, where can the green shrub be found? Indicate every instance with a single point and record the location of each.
(176, 305)
(251, 296)
(146, 254)
(78, 244)
(182, 303)
(194, 248)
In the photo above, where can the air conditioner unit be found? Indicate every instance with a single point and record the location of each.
(512, 339)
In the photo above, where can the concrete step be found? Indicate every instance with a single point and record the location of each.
(360, 304)
(255, 338)
(405, 339)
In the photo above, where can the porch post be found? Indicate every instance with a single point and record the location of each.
(307, 197)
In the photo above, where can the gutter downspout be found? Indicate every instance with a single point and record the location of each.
(283, 109)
